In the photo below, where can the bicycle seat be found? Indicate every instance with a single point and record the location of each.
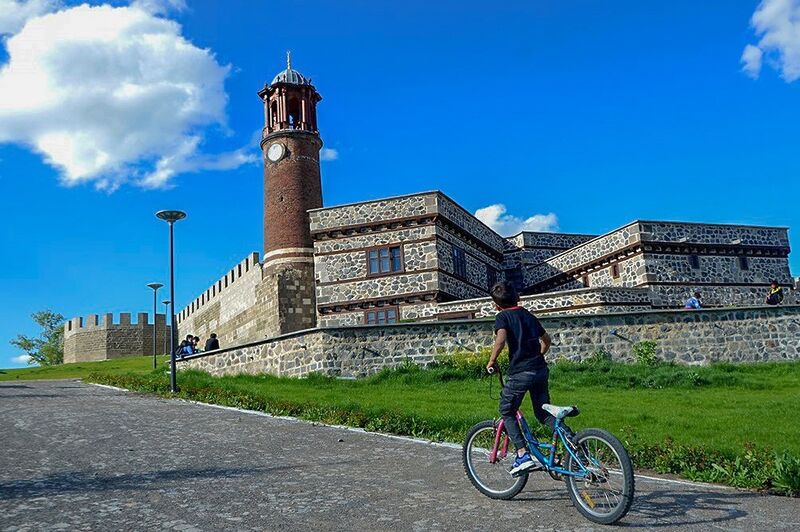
(561, 411)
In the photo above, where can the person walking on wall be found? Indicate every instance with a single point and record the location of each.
(212, 343)
(694, 303)
(775, 296)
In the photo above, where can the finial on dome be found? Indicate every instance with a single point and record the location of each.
(288, 59)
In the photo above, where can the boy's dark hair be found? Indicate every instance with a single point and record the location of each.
(189, 336)
(504, 294)
(774, 283)
(697, 294)
(197, 338)
(213, 335)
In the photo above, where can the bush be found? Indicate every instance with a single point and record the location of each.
(787, 474)
(644, 352)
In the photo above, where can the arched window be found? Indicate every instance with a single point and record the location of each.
(273, 119)
(293, 113)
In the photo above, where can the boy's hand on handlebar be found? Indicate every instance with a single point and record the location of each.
(491, 367)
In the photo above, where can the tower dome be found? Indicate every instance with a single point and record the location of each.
(290, 75)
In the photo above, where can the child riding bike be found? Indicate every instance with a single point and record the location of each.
(528, 343)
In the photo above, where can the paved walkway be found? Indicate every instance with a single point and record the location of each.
(81, 457)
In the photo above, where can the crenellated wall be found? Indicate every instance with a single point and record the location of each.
(98, 337)
(233, 307)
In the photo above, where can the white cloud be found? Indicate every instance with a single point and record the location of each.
(751, 60)
(507, 225)
(777, 23)
(112, 95)
(15, 13)
(328, 154)
(22, 359)
(160, 7)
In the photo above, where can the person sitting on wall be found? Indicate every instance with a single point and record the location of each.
(775, 296)
(186, 347)
(196, 344)
(212, 343)
(694, 303)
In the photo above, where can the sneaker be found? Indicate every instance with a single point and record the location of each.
(522, 463)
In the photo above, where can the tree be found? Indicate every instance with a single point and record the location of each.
(48, 348)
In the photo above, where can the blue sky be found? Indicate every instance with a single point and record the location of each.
(597, 113)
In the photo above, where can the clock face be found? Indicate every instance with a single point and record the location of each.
(275, 152)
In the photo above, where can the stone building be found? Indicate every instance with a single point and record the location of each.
(423, 257)
(99, 338)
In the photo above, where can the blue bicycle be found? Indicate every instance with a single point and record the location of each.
(594, 464)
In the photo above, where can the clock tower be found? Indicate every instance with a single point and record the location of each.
(291, 144)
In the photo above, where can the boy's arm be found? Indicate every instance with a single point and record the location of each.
(499, 343)
(544, 342)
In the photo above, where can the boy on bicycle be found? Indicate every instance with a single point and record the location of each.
(527, 342)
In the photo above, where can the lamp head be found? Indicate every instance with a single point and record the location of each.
(171, 216)
(166, 301)
(155, 286)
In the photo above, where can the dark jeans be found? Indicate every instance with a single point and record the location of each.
(511, 399)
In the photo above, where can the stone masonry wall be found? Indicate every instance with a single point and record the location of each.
(569, 302)
(230, 307)
(690, 337)
(95, 338)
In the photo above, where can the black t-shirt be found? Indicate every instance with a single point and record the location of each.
(523, 331)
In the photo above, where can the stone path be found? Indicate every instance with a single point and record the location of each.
(81, 457)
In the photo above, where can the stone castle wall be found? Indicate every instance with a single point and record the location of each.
(568, 302)
(690, 337)
(232, 307)
(99, 338)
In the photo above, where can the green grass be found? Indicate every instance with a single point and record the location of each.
(737, 424)
(135, 365)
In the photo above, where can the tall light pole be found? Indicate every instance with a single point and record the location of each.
(155, 287)
(166, 310)
(171, 217)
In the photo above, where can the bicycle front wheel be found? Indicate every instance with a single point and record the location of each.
(491, 478)
(604, 492)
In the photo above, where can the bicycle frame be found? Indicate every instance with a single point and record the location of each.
(535, 446)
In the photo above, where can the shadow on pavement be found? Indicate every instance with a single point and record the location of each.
(683, 508)
(82, 482)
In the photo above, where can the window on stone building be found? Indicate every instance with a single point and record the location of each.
(491, 277)
(384, 260)
(585, 281)
(694, 262)
(615, 271)
(459, 262)
(381, 316)
(744, 264)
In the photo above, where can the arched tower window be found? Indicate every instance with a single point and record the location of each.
(273, 119)
(293, 113)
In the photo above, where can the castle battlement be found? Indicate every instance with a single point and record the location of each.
(251, 262)
(107, 321)
(101, 337)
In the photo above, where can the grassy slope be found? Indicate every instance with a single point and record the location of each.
(721, 407)
(729, 407)
(80, 370)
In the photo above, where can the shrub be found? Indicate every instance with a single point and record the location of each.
(645, 352)
(787, 474)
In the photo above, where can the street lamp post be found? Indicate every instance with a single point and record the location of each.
(155, 287)
(171, 217)
(166, 310)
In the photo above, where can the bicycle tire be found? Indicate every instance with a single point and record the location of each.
(627, 478)
(469, 468)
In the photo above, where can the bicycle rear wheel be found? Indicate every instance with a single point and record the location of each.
(491, 479)
(605, 494)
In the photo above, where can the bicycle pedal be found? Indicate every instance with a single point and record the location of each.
(531, 469)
